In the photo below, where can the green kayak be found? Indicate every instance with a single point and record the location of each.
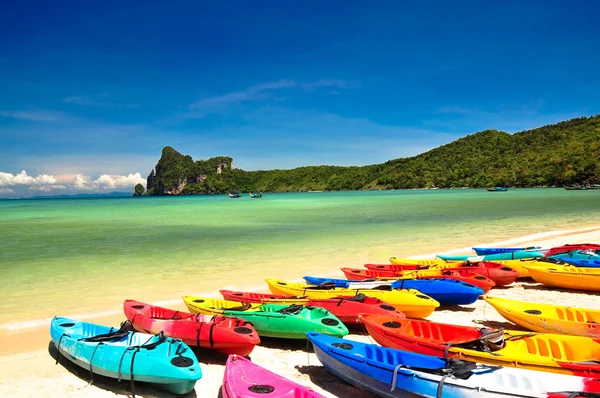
(272, 320)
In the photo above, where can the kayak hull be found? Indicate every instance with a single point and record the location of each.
(412, 303)
(545, 352)
(115, 359)
(225, 335)
(500, 274)
(466, 276)
(445, 291)
(393, 373)
(345, 309)
(567, 277)
(245, 379)
(546, 318)
(270, 320)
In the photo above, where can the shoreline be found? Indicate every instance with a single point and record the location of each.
(27, 331)
(28, 368)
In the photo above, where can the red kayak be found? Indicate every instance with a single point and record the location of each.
(469, 276)
(569, 248)
(537, 351)
(227, 335)
(346, 309)
(500, 274)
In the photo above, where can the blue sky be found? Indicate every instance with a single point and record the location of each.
(91, 91)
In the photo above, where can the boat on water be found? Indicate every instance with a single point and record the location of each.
(593, 186)
(497, 189)
(255, 195)
(235, 195)
(576, 187)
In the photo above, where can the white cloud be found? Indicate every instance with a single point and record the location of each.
(108, 182)
(7, 179)
(67, 183)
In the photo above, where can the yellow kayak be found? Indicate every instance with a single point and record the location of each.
(567, 277)
(427, 263)
(209, 306)
(546, 318)
(521, 265)
(545, 351)
(412, 303)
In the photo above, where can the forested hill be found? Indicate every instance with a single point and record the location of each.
(559, 154)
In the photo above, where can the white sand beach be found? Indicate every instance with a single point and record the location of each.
(27, 363)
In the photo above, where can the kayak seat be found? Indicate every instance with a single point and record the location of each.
(360, 297)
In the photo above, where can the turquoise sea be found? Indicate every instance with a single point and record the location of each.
(77, 256)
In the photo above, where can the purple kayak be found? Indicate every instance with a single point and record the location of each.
(245, 379)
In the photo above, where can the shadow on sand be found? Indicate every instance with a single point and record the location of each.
(455, 308)
(499, 324)
(110, 384)
(285, 344)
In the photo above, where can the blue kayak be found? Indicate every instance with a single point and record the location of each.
(393, 373)
(445, 291)
(581, 263)
(484, 251)
(516, 255)
(578, 255)
(164, 362)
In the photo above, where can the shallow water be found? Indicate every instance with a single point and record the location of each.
(62, 257)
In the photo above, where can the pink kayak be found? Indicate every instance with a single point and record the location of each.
(245, 379)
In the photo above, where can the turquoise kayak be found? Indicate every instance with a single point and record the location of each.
(578, 255)
(516, 255)
(166, 363)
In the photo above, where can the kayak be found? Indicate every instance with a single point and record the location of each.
(445, 291)
(263, 298)
(501, 274)
(245, 379)
(578, 255)
(223, 334)
(482, 251)
(520, 266)
(388, 372)
(272, 320)
(571, 247)
(493, 257)
(556, 353)
(568, 277)
(418, 263)
(582, 263)
(546, 318)
(467, 276)
(166, 363)
(412, 303)
(346, 309)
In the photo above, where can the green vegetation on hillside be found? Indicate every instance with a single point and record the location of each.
(553, 155)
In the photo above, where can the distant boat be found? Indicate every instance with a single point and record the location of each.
(497, 189)
(575, 187)
(594, 186)
(235, 195)
(256, 195)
